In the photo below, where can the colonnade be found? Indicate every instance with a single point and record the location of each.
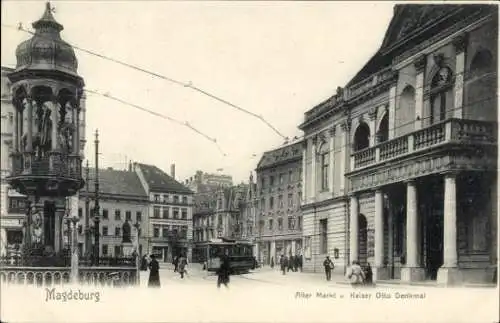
(413, 269)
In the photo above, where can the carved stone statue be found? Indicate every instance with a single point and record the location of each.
(126, 232)
(36, 227)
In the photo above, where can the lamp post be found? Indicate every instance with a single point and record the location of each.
(137, 227)
(74, 249)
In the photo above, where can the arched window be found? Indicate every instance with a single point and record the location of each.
(362, 137)
(440, 86)
(405, 114)
(481, 88)
(383, 129)
(324, 156)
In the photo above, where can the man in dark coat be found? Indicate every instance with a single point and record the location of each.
(154, 273)
(328, 264)
(283, 264)
(224, 271)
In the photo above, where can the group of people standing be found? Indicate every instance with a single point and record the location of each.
(359, 276)
(293, 263)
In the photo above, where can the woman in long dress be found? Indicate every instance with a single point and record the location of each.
(355, 274)
(154, 274)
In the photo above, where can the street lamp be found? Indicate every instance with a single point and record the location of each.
(137, 227)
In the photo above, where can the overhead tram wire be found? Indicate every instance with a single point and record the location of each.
(156, 114)
(183, 84)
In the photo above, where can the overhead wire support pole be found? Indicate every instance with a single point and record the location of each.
(183, 84)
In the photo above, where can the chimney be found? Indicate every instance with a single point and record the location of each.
(172, 171)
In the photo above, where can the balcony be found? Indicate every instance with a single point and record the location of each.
(48, 174)
(451, 145)
(451, 131)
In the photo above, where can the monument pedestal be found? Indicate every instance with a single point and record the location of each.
(128, 249)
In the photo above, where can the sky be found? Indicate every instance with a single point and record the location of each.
(275, 59)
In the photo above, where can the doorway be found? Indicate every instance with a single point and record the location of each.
(434, 244)
(362, 239)
(49, 224)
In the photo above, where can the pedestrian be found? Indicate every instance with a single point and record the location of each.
(368, 275)
(355, 274)
(328, 264)
(272, 262)
(283, 264)
(154, 273)
(224, 271)
(300, 262)
(182, 263)
(175, 262)
(290, 263)
(296, 263)
(144, 263)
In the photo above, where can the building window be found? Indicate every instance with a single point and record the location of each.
(117, 215)
(262, 182)
(156, 212)
(80, 229)
(290, 199)
(104, 249)
(282, 179)
(165, 198)
(157, 198)
(176, 199)
(324, 170)
(262, 204)
(323, 236)
(104, 231)
(166, 210)
(299, 223)
(118, 251)
(271, 202)
(117, 231)
(165, 232)
(270, 224)
(290, 223)
(184, 232)
(80, 212)
(156, 232)
(271, 180)
(16, 205)
(138, 216)
(128, 215)
(290, 176)
(280, 201)
(184, 200)
(280, 224)
(440, 86)
(184, 214)
(105, 214)
(176, 213)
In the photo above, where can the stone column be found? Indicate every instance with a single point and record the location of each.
(412, 270)
(29, 124)
(354, 229)
(293, 247)
(390, 244)
(373, 125)
(314, 176)
(76, 131)
(3, 242)
(331, 170)
(273, 252)
(304, 172)
(344, 157)
(54, 106)
(380, 270)
(460, 46)
(392, 111)
(15, 132)
(419, 90)
(449, 274)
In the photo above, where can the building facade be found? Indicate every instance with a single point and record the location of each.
(279, 193)
(400, 164)
(207, 182)
(123, 206)
(170, 229)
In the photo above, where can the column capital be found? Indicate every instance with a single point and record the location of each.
(460, 43)
(420, 63)
(450, 173)
(331, 131)
(345, 125)
(372, 113)
(410, 181)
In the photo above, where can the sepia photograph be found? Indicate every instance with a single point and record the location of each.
(249, 161)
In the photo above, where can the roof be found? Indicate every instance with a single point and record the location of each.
(159, 181)
(116, 183)
(281, 155)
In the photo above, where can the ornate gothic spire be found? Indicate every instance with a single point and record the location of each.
(47, 22)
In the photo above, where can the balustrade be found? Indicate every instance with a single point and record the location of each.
(452, 130)
(25, 164)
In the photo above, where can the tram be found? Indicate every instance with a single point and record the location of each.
(240, 255)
